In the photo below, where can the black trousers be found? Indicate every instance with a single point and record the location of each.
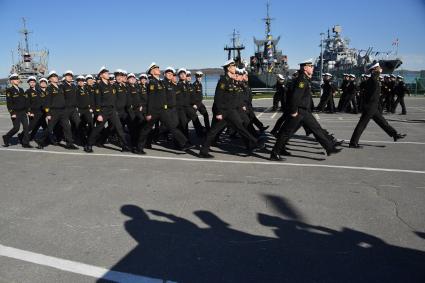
(291, 124)
(86, 124)
(165, 118)
(360, 102)
(37, 121)
(192, 116)
(111, 116)
(376, 115)
(21, 118)
(381, 104)
(74, 118)
(232, 118)
(254, 119)
(327, 100)
(57, 116)
(279, 122)
(350, 98)
(341, 101)
(204, 112)
(126, 117)
(247, 123)
(389, 102)
(400, 99)
(135, 127)
(277, 97)
(182, 119)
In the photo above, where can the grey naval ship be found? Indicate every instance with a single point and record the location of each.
(29, 62)
(338, 58)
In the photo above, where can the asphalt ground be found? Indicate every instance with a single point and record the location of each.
(358, 216)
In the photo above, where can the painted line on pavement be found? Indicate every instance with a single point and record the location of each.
(75, 267)
(270, 163)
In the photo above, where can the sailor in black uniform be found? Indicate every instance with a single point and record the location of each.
(371, 109)
(17, 105)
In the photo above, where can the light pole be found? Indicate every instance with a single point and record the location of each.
(321, 61)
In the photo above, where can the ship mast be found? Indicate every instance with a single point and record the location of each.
(234, 51)
(25, 32)
(268, 20)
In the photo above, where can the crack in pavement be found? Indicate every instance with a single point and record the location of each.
(393, 202)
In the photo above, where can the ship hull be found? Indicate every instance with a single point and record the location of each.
(388, 67)
(264, 80)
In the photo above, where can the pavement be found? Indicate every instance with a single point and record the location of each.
(358, 216)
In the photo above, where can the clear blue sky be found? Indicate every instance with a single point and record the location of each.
(84, 35)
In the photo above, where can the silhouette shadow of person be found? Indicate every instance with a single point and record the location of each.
(336, 256)
(176, 249)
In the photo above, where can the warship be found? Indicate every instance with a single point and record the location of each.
(338, 58)
(30, 62)
(268, 61)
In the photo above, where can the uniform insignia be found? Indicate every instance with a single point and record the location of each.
(301, 85)
(152, 87)
(113, 91)
(97, 91)
(222, 86)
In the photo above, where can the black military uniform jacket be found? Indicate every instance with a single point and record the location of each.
(36, 99)
(385, 89)
(157, 96)
(328, 88)
(70, 93)
(391, 87)
(143, 94)
(372, 93)
(85, 99)
(190, 93)
(134, 99)
(301, 96)
(91, 89)
(196, 98)
(183, 94)
(280, 89)
(247, 96)
(351, 87)
(122, 101)
(226, 95)
(16, 100)
(400, 89)
(240, 90)
(362, 87)
(171, 93)
(344, 86)
(55, 98)
(105, 97)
